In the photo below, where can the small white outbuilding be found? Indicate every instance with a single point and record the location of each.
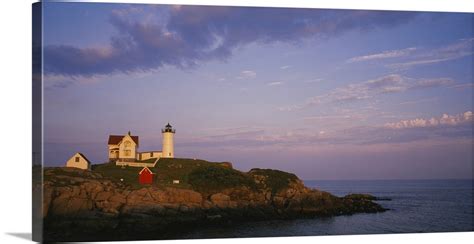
(79, 161)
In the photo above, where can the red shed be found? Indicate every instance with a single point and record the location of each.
(145, 176)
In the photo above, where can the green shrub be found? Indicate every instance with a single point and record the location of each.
(275, 179)
(215, 178)
(127, 175)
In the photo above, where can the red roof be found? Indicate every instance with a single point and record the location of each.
(114, 139)
(147, 170)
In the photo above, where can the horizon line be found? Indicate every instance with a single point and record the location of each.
(390, 179)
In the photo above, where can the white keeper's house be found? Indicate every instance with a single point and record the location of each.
(80, 161)
(123, 149)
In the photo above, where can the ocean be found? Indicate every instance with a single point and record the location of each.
(416, 206)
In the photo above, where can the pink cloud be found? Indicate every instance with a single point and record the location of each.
(445, 119)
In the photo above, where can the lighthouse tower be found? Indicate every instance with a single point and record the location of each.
(168, 145)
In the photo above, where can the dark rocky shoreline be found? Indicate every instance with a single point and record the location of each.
(86, 206)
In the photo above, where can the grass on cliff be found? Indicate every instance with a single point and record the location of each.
(166, 170)
(169, 169)
(110, 170)
(274, 179)
(215, 178)
(199, 175)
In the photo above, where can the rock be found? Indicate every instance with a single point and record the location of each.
(92, 186)
(214, 217)
(184, 208)
(177, 195)
(104, 195)
(83, 193)
(97, 204)
(75, 190)
(232, 204)
(219, 197)
(47, 198)
(71, 206)
(242, 204)
(268, 196)
(207, 205)
(139, 197)
(63, 192)
(294, 206)
(220, 200)
(149, 209)
(159, 195)
(383, 199)
(118, 198)
(194, 197)
(279, 202)
(108, 206)
(290, 192)
(148, 197)
(360, 197)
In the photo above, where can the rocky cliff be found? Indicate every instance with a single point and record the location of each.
(86, 205)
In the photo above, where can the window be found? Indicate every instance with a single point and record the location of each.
(127, 144)
(127, 152)
(77, 159)
(151, 154)
(170, 154)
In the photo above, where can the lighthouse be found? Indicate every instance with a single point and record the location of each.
(168, 145)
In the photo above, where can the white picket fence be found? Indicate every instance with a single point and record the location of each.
(136, 164)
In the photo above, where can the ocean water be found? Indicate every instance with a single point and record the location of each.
(417, 206)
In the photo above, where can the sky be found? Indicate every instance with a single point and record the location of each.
(324, 94)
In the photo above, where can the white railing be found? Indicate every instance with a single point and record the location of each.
(136, 164)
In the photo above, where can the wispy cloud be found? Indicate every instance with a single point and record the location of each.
(383, 55)
(426, 100)
(324, 117)
(427, 83)
(444, 120)
(243, 90)
(285, 67)
(456, 50)
(60, 85)
(53, 82)
(415, 56)
(193, 34)
(393, 83)
(463, 85)
(275, 83)
(315, 80)
(247, 74)
(238, 135)
(442, 129)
